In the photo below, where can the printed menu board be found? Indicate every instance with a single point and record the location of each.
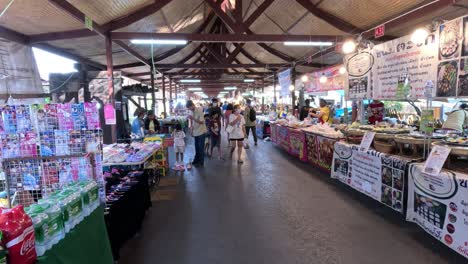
(439, 204)
(377, 175)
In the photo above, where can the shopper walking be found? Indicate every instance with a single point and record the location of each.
(250, 122)
(236, 129)
(179, 146)
(198, 131)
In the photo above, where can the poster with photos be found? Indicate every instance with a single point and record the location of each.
(450, 39)
(447, 75)
(463, 77)
(377, 175)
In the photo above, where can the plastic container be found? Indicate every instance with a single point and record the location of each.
(56, 230)
(41, 232)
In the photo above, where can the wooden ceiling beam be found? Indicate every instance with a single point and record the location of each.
(80, 16)
(215, 6)
(136, 15)
(329, 18)
(215, 66)
(222, 38)
(256, 14)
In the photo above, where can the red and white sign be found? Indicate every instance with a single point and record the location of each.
(379, 31)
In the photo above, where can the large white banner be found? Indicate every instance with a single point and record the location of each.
(377, 175)
(18, 69)
(439, 204)
(400, 58)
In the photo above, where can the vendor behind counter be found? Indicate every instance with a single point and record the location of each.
(457, 119)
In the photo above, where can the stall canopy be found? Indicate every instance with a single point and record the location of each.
(225, 38)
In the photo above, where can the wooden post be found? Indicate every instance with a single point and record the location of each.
(111, 133)
(170, 96)
(164, 96)
(293, 94)
(274, 88)
(153, 91)
(263, 95)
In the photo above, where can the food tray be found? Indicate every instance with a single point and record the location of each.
(413, 140)
(456, 150)
(384, 136)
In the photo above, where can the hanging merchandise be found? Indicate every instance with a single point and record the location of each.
(109, 114)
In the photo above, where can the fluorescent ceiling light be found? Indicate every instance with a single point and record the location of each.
(308, 43)
(195, 89)
(190, 81)
(249, 80)
(230, 88)
(159, 41)
(223, 92)
(245, 94)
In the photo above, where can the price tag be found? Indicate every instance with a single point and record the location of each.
(109, 114)
(366, 141)
(427, 121)
(88, 23)
(436, 160)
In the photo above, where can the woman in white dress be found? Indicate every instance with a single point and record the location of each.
(236, 127)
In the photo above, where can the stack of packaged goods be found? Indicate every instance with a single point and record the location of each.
(19, 238)
(56, 215)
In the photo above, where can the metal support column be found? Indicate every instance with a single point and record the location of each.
(164, 96)
(153, 91)
(112, 133)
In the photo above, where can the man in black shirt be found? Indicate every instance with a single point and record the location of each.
(304, 110)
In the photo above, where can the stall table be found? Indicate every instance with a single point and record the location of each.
(86, 243)
(125, 216)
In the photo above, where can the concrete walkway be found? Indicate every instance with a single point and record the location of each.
(275, 209)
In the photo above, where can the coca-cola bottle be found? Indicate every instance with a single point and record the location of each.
(19, 236)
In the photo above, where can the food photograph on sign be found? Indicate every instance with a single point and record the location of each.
(463, 78)
(465, 37)
(450, 39)
(447, 74)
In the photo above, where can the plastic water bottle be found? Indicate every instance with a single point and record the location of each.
(41, 233)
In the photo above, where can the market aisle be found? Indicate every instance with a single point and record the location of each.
(275, 209)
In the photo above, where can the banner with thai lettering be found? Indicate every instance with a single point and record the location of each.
(375, 174)
(284, 79)
(312, 84)
(399, 59)
(439, 204)
(297, 144)
(320, 150)
(282, 137)
(18, 69)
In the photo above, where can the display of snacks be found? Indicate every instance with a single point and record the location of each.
(324, 130)
(460, 141)
(136, 152)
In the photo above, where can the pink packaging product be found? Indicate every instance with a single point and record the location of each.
(28, 144)
(64, 116)
(10, 146)
(75, 168)
(92, 115)
(2, 129)
(62, 140)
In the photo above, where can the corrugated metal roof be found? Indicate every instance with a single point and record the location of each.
(365, 14)
(36, 16)
(105, 11)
